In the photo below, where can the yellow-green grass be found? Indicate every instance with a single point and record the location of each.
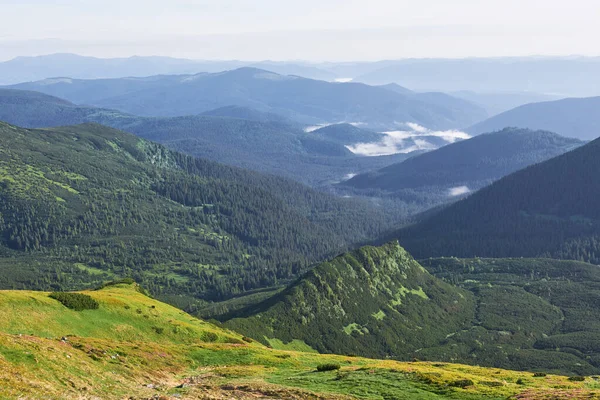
(118, 352)
(124, 314)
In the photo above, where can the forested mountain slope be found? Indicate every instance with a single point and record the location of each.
(523, 314)
(546, 209)
(346, 134)
(85, 203)
(374, 301)
(473, 163)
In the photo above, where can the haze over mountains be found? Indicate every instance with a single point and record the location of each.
(467, 165)
(573, 117)
(498, 102)
(24, 69)
(518, 81)
(578, 75)
(304, 100)
(524, 76)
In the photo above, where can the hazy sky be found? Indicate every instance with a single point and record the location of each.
(300, 29)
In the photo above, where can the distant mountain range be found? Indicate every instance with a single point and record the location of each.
(466, 166)
(25, 69)
(548, 209)
(300, 99)
(498, 102)
(575, 117)
(560, 76)
(526, 76)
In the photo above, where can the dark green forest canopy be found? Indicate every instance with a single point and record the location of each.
(548, 309)
(548, 209)
(84, 204)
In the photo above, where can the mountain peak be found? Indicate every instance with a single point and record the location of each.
(359, 303)
(258, 73)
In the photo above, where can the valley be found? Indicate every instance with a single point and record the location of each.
(88, 203)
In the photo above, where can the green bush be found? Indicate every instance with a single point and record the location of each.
(328, 367)
(123, 281)
(492, 383)
(462, 383)
(209, 337)
(158, 329)
(75, 301)
(577, 378)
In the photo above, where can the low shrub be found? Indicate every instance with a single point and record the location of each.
(209, 337)
(577, 378)
(158, 329)
(328, 367)
(492, 383)
(75, 301)
(126, 281)
(539, 375)
(341, 375)
(462, 383)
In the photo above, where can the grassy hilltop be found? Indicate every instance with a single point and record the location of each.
(132, 346)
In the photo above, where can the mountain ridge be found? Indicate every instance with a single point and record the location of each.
(572, 117)
(322, 308)
(544, 209)
(305, 100)
(504, 151)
